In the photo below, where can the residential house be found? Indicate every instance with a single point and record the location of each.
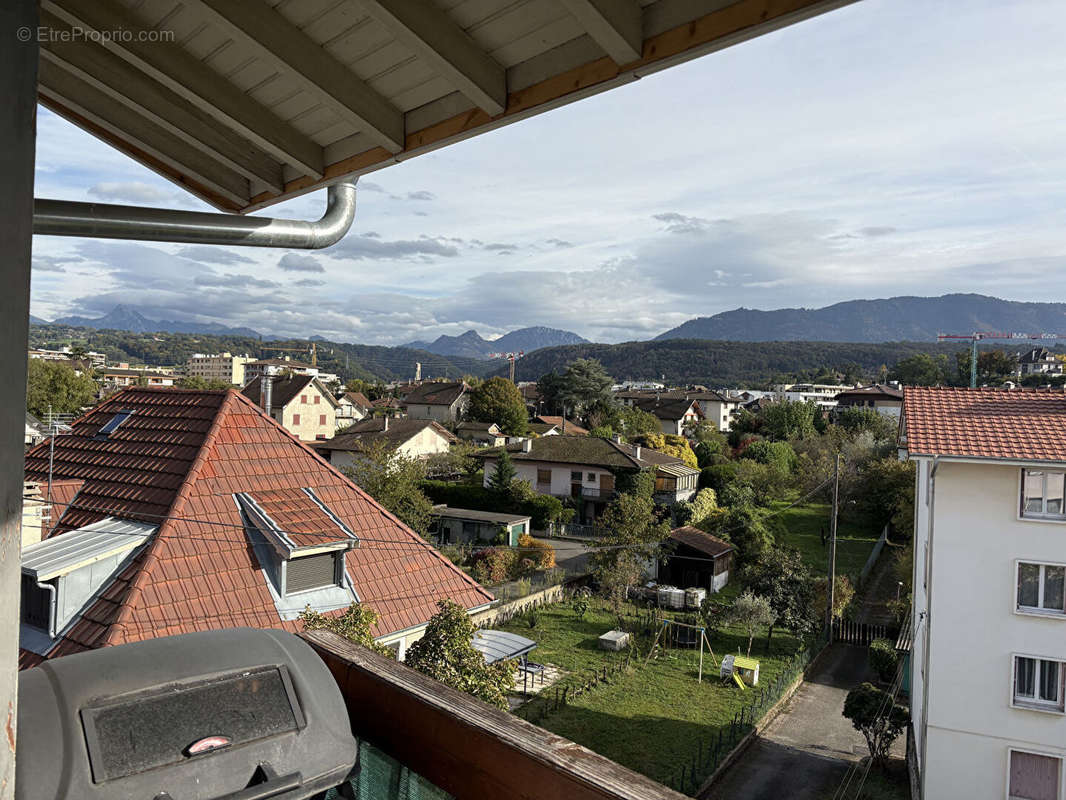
(1039, 361)
(223, 367)
(122, 375)
(36, 431)
(586, 468)
(470, 526)
(715, 406)
(885, 399)
(698, 560)
(256, 369)
(483, 434)
(988, 658)
(821, 394)
(91, 357)
(414, 438)
(352, 407)
(198, 511)
(674, 415)
(389, 406)
(560, 424)
(300, 403)
(442, 402)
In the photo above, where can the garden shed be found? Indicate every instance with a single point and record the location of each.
(699, 560)
(470, 526)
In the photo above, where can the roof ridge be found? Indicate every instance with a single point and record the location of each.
(617, 446)
(149, 557)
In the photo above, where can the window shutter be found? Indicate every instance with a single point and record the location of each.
(295, 419)
(321, 419)
(310, 572)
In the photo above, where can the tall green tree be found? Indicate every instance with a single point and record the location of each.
(744, 526)
(198, 382)
(632, 535)
(55, 384)
(788, 420)
(445, 653)
(550, 388)
(498, 400)
(503, 475)
(878, 717)
(584, 383)
(921, 369)
(394, 480)
(783, 579)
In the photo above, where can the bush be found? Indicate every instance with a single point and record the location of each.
(718, 476)
(884, 659)
(778, 455)
(494, 565)
(523, 587)
(542, 553)
(543, 509)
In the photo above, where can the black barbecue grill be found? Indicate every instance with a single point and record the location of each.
(238, 714)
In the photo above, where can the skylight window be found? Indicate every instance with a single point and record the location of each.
(114, 423)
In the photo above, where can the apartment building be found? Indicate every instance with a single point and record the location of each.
(218, 367)
(989, 613)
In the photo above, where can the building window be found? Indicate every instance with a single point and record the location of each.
(1034, 776)
(1041, 588)
(1038, 683)
(321, 419)
(317, 399)
(36, 605)
(575, 476)
(591, 477)
(1042, 493)
(544, 476)
(303, 399)
(310, 572)
(295, 419)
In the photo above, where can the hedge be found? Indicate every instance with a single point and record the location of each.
(543, 509)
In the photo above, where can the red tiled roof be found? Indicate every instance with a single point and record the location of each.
(1014, 424)
(435, 394)
(571, 426)
(63, 494)
(178, 461)
(297, 515)
(701, 540)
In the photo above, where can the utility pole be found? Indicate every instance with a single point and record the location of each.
(831, 588)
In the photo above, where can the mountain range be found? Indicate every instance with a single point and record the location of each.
(895, 319)
(124, 318)
(471, 345)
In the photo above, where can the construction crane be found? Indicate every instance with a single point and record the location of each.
(313, 350)
(977, 336)
(510, 357)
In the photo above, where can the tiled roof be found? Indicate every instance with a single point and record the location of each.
(285, 390)
(179, 460)
(435, 394)
(877, 390)
(1013, 424)
(298, 516)
(63, 494)
(571, 426)
(669, 408)
(701, 540)
(591, 450)
(357, 399)
(356, 437)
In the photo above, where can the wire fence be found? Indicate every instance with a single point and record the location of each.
(709, 753)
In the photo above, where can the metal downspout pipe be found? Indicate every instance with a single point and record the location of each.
(53, 607)
(105, 221)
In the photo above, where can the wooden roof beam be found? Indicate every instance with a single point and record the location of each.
(615, 25)
(196, 82)
(446, 47)
(71, 92)
(288, 49)
(105, 71)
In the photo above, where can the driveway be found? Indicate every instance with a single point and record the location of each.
(573, 556)
(805, 752)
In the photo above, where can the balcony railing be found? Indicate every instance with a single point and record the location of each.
(464, 746)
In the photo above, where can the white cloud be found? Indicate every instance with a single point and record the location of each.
(294, 262)
(130, 191)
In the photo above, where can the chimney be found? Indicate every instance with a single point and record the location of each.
(385, 423)
(636, 453)
(527, 446)
(266, 384)
(617, 438)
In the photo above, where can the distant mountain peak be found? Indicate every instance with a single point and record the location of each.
(471, 344)
(124, 317)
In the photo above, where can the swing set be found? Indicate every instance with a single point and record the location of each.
(678, 633)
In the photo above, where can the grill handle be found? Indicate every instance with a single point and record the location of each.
(272, 787)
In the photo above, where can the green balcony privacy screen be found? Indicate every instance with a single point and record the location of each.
(382, 777)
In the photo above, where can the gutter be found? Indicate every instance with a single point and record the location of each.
(53, 604)
(106, 221)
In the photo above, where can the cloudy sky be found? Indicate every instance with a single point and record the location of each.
(891, 147)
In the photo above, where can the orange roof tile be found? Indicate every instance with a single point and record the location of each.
(178, 462)
(1011, 424)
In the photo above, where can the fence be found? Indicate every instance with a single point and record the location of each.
(874, 555)
(861, 633)
(709, 753)
(573, 687)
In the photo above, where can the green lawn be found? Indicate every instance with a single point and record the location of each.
(651, 718)
(801, 527)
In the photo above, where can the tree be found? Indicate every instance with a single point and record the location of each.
(855, 419)
(885, 493)
(778, 455)
(632, 536)
(550, 389)
(354, 624)
(709, 444)
(878, 717)
(445, 653)
(788, 420)
(56, 385)
(781, 577)
(393, 479)
(503, 476)
(197, 382)
(843, 593)
(676, 446)
(993, 366)
(751, 613)
(920, 369)
(746, 528)
(498, 400)
(583, 384)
